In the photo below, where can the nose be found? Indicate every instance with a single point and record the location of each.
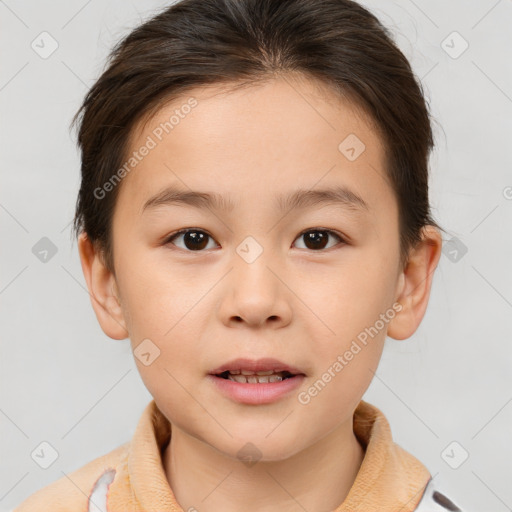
(256, 294)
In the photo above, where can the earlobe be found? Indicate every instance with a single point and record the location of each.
(102, 290)
(415, 285)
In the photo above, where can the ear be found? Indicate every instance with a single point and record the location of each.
(414, 284)
(102, 290)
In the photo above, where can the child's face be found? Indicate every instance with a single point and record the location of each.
(301, 301)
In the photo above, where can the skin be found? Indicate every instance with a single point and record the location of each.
(301, 305)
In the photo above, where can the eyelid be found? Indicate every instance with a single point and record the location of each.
(168, 238)
(344, 240)
(341, 236)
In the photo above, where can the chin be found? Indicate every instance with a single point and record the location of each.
(250, 449)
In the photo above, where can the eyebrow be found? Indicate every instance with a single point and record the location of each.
(299, 199)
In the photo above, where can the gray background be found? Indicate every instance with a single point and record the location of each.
(65, 382)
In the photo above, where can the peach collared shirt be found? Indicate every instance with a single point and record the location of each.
(131, 478)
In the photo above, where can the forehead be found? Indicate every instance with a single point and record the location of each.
(254, 140)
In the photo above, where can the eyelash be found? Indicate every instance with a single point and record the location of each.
(176, 234)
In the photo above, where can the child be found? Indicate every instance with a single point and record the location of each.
(288, 141)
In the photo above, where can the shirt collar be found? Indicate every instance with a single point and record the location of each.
(389, 477)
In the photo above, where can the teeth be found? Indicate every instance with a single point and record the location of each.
(254, 379)
(248, 372)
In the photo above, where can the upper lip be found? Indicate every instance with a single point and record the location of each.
(257, 365)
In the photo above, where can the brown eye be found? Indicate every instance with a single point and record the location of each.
(193, 239)
(317, 239)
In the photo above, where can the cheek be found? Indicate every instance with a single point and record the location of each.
(354, 308)
(352, 298)
(165, 363)
(157, 299)
(344, 370)
(163, 313)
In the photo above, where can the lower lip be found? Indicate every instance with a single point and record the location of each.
(250, 393)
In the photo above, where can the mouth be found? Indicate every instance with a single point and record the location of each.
(257, 382)
(260, 371)
(262, 377)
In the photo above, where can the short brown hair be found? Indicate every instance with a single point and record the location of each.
(240, 42)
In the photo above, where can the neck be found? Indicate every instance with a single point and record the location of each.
(318, 478)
